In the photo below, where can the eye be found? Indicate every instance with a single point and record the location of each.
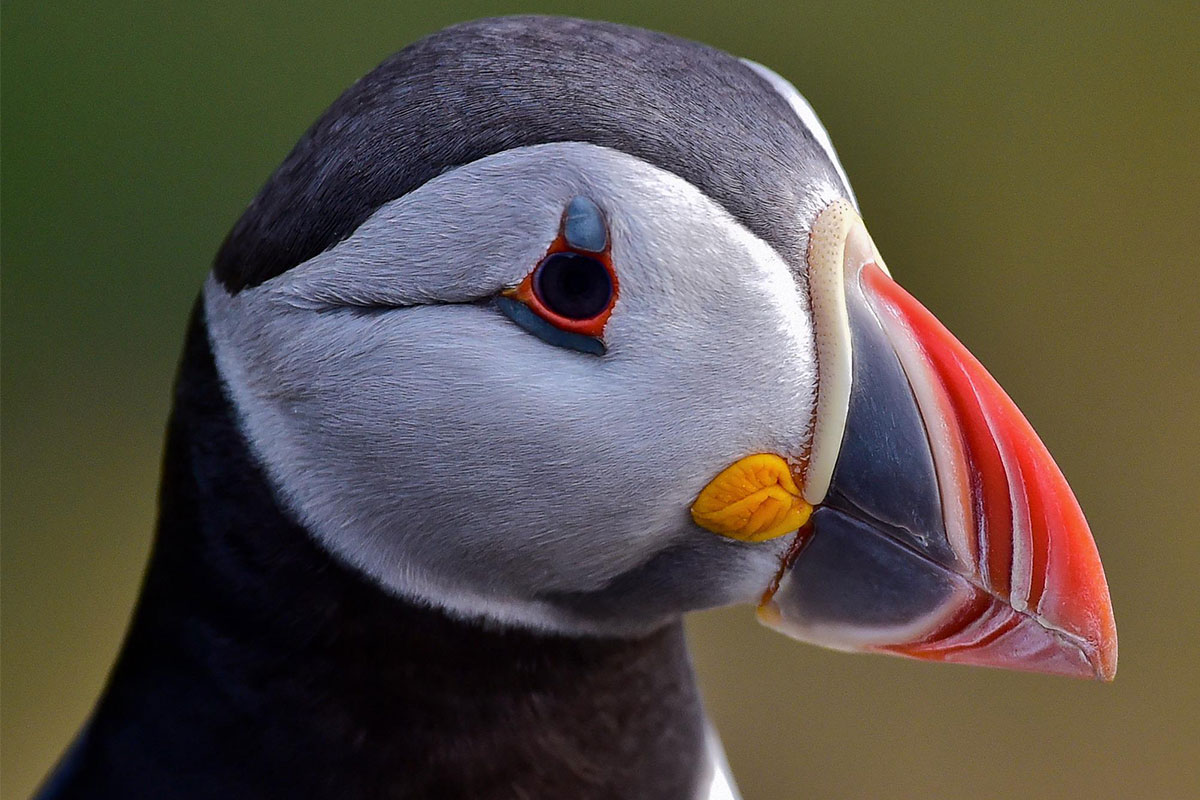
(572, 290)
(568, 297)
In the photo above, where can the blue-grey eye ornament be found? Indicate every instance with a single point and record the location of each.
(567, 298)
(583, 226)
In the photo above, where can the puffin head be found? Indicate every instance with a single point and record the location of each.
(576, 327)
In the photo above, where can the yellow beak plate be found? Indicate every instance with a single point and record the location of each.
(752, 500)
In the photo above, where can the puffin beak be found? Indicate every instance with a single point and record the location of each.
(933, 523)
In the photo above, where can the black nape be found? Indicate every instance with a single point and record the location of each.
(258, 666)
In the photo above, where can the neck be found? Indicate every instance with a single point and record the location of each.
(256, 665)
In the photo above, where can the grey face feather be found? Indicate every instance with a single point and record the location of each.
(455, 458)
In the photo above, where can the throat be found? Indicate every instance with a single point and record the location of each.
(257, 665)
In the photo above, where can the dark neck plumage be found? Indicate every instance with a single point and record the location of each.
(257, 666)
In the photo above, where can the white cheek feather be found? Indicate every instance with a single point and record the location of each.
(456, 459)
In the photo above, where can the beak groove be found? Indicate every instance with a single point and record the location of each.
(945, 531)
(1031, 546)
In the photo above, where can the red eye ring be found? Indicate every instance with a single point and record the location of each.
(590, 326)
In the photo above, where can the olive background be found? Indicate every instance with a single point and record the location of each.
(1030, 172)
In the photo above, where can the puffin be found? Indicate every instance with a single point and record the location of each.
(547, 333)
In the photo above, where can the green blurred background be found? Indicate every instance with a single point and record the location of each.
(1031, 175)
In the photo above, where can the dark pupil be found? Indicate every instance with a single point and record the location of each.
(573, 285)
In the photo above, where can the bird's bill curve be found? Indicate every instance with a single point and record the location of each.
(933, 523)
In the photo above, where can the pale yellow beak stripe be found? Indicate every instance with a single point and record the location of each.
(752, 500)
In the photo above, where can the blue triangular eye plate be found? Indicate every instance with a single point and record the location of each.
(527, 319)
(583, 225)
